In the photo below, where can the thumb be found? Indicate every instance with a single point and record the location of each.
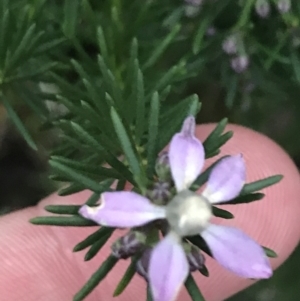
(38, 264)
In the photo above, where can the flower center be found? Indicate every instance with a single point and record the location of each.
(188, 213)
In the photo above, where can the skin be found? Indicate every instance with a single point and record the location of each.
(37, 262)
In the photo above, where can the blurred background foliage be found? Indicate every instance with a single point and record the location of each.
(242, 57)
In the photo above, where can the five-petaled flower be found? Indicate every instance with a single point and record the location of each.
(187, 214)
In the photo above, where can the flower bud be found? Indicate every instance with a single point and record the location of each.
(262, 8)
(211, 31)
(162, 167)
(160, 194)
(284, 6)
(192, 7)
(128, 245)
(240, 63)
(195, 259)
(229, 45)
(142, 265)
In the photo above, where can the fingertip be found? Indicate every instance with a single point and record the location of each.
(271, 221)
(39, 262)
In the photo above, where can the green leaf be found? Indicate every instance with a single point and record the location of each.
(174, 17)
(64, 221)
(79, 69)
(111, 83)
(163, 45)
(4, 19)
(98, 101)
(32, 74)
(139, 105)
(66, 86)
(71, 189)
(152, 134)
(102, 44)
(90, 13)
(18, 123)
(171, 121)
(261, 184)
(194, 107)
(193, 289)
(270, 253)
(222, 213)
(127, 277)
(248, 198)
(200, 33)
(72, 106)
(107, 156)
(220, 142)
(96, 278)
(94, 198)
(70, 17)
(77, 43)
(165, 93)
(215, 140)
(96, 247)
(128, 149)
(167, 78)
(131, 67)
(203, 177)
(212, 154)
(85, 167)
(21, 48)
(46, 47)
(86, 137)
(91, 239)
(210, 142)
(63, 209)
(121, 185)
(74, 175)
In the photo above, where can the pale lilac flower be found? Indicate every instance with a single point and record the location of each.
(262, 8)
(284, 6)
(229, 45)
(187, 214)
(240, 63)
(142, 265)
(192, 7)
(211, 31)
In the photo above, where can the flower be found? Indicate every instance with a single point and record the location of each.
(187, 214)
(192, 7)
(262, 8)
(229, 45)
(240, 63)
(284, 6)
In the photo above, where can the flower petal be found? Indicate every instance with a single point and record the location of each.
(226, 180)
(237, 252)
(123, 209)
(168, 268)
(186, 155)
